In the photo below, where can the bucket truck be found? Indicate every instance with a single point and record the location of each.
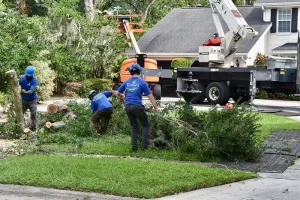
(218, 82)
(222, 56)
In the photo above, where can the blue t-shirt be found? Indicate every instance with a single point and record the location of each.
(101, 102)
(134, 89)
(28, 85)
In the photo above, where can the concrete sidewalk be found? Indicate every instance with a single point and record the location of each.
(19, 192)
(280, 103)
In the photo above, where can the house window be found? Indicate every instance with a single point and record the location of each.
(284, 20)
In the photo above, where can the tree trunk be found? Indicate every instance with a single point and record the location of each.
(14, 82)
(23, 7)
(89, 9)
(147, 10)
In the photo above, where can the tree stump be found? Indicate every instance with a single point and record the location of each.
(14, 82)
(24, 136)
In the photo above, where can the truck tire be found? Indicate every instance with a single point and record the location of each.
(199, 98)
(157, 92)
(217, 93)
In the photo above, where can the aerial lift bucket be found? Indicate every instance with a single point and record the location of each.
(133, 19)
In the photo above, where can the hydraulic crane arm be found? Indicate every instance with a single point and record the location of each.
(238, 30)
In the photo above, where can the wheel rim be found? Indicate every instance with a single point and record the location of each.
(214, 93)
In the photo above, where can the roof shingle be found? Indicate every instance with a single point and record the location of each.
(287, 46)
(183, 30)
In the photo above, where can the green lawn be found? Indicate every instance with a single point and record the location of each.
(271, 122)
(125, 177)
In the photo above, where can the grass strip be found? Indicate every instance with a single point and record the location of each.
(271, 122)
(124, 177)
(117, 145)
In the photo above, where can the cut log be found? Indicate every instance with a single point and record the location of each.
(24, 137)
(57, 106)
(14, 83)
(55, 126)
(26, 131)
(69, 116)
(52, 109)
(64, 107)
(58, 125)
(48, 124)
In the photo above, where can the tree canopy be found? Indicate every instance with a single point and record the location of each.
(81, 40)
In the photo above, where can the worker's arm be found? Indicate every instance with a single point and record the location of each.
(107, 93)
(119, 92)
(93, 107)
(32, 88)
(114, 92)
(147, 92)
(153, 102)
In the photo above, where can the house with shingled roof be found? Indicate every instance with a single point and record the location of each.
(181, 32)
(285, 18)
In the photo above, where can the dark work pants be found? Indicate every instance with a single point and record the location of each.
(137, 113)
(32, 106)
(101, 116)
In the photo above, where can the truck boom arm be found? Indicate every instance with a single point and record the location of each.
(238, 30)
(129, 34)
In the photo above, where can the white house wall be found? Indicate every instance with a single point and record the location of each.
(267, 15)
(259, 47)
(277, 39)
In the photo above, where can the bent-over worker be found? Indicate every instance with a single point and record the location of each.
(102, 109)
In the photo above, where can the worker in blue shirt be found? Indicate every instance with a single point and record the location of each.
(102, 109)
(28, 83)
(134, 88)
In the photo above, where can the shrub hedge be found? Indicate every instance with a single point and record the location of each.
(276, 96)
(180, 62)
